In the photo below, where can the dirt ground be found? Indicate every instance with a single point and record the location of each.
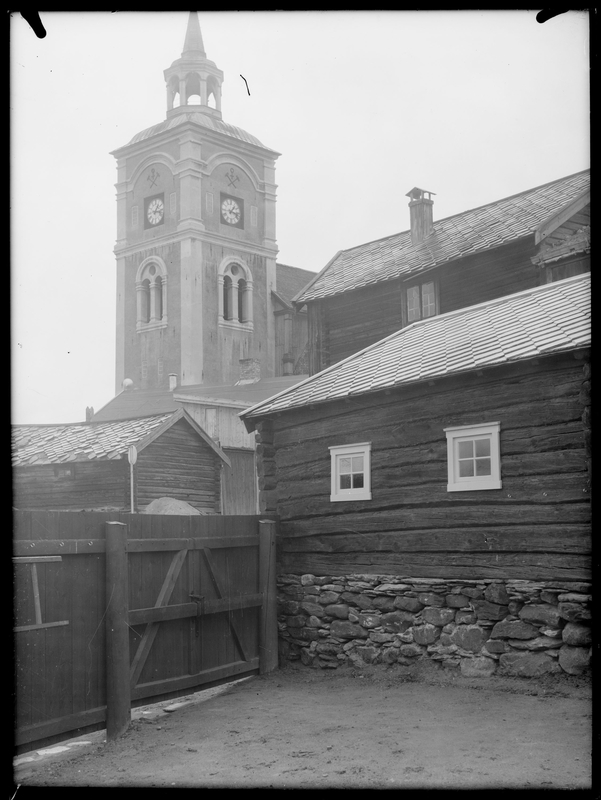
(376, 728)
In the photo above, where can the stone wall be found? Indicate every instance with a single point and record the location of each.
(480, 627)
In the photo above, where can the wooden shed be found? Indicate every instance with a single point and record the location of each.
(456, 448)
(85, 466)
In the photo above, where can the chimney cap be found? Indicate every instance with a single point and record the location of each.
(420, 194)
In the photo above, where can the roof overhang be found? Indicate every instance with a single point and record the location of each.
(562, 215)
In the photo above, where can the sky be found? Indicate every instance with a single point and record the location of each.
(363, 106)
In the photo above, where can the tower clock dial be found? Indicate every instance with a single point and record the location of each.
(230, 211)
(155, 211)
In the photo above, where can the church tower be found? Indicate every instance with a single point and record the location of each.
(196, 245)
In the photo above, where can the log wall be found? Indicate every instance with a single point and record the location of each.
(537, 527)
(180, 465)
(95, 484)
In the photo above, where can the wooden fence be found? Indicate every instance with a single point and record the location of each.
(113, 610)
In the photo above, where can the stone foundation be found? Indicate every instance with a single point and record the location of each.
(480, 627)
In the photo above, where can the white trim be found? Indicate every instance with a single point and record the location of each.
(338, 495)
(490, 431)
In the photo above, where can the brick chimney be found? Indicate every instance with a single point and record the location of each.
(250, 371)
(420, 212)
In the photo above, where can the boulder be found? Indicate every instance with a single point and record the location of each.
(465, 617)
(576, 635)
(541, 614)
(396, 621)
(487, 610)
(312, 609)
(497, 593)
(438, 616)
(477, 667)
(513, 629)
(469, 637)
(347, 630)
(430, 599)
(338, 610)
(425, 634)
(574, 660)
(457, 601)
(328, 598)
(527, 665)
(573, 612)
(408, 604)
(538, 643)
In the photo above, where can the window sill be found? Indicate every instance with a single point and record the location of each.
(141, 327)
(235, 325)
(474, 486)
(358, 495)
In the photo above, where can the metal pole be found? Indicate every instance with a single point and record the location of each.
(118, 693)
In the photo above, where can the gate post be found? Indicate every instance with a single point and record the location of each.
(268, 634)
(118, 694)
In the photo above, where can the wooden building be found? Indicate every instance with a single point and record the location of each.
(436, 267)
(456, 448)
(216, 410)
(85, 466)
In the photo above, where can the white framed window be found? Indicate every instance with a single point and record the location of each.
(151, 294)
(351, 472)
(235, 294)
(473, 457)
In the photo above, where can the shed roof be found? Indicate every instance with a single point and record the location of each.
(542, 321)
(132, 403)
(89, 441)
(469, 232)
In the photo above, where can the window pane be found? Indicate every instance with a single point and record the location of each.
(357, 463)
(466, 469)
(465, 449)
(428, 300)
(413, 303)
(358, 481)
(482, 447)
(344, 465)
(345, 481)
(483, 466)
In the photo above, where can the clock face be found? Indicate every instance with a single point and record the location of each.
(230, 211)
(155, 211)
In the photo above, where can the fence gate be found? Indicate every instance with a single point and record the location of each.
(115, 610)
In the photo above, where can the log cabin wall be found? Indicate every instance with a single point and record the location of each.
(92, 485)
(486, 276)
(179, 464)
(344, 324)
(537, 527)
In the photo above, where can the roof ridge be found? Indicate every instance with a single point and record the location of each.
(536, 290)
(467, 211)
(88, 423)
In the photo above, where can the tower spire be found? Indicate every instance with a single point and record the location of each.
(193, 45)
(193, 80)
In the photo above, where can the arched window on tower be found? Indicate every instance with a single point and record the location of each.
(193, 95)
(236, 294)
(227, 298)
(151, 290)
(145, 315)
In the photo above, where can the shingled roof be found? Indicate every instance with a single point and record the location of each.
(549, 319)
(88, 441)
(470, 232)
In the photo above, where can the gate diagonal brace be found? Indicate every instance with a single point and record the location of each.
(232, 626)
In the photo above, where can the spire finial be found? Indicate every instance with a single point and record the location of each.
(193, 44)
